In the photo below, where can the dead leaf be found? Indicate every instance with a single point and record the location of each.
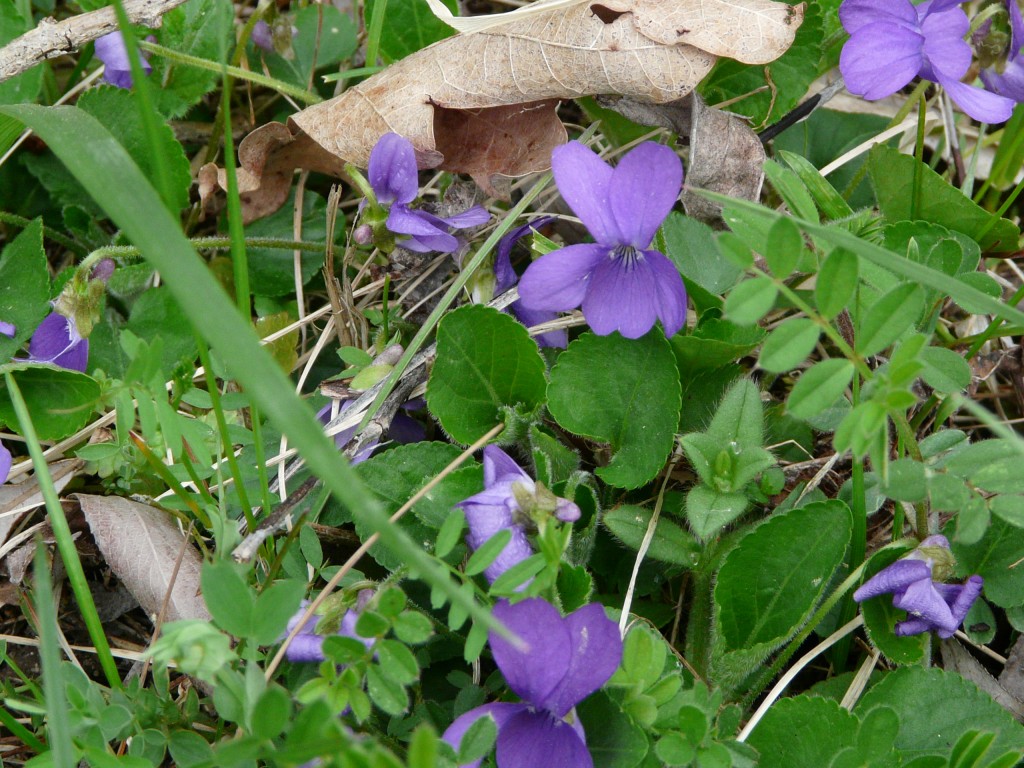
(18, 498)
(141, 546)
(501, 78)
(956, 658)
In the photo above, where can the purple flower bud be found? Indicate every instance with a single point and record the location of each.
(505, 277)
(307, 646)
(103, 270)
(1008, 79)
(566, 659)
(263, 36)
(363, 234)
(110, 49)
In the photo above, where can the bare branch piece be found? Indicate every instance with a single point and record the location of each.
(51, 39)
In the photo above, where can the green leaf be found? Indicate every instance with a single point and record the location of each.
(385, 692)
(769, 584)
(117, 110)
(751, 300)
(994, 557)
(889, 318)
(409, 26)
(59, 401)
(614, 740)
(273, 608)
(325, 32)
(944, 370)
(789, 344)
(413, 627)
(824, 729)
(836, 283)
(485, 360)
(229, 597)
(272, 712)
(397, 661)
(825, 195)
(935, 708)
(24, 287)
(488, 552)
(796, 197)
(478, 740)
(714, 343)
(708, 510)
(23, 88)
(1009, 508)
(201, 28)
(156, 315)
(690, 244)
(670, 543)
(397, 474)
(272, 270)
(906, 481)
(893, 177)
(819, 387)
(623, 391)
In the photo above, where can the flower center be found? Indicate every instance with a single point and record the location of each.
(627, 254)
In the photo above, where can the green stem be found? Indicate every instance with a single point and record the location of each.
(236, 72)
(239, 256)
(699, 619)
(374, 30)
(62, 535)
(21, 222)
(915, 204)
(62, 748)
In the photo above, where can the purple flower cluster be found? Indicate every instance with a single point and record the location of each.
(111, 50)
(621, 284)
(893, 41)
(510, 501)
(931, 605)
(393, 176)
(566, 659)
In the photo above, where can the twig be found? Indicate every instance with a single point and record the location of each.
(51, 39)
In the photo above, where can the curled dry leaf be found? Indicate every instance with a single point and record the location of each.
(18, 498)
(141, 545)
(522, 63)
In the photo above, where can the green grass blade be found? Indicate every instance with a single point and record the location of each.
(58, 731)
(96, 159)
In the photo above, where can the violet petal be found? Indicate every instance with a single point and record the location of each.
(532, 739)
(969, 591)
(529, 317)
(500, 467)
(392, 170)
(912, 626)
(471, 217)
(621, 297)
(855, 14)
(596, 654)
(8, 329)
(504, 276)
(111, 50)
(535, 672)
(56, 341)
(501, 711)
(894, 578)
(921, 599)
(6, 461)
(982, 105)
(305, 648)
(880, 58)
(558, 280)
(584, 180)
(945, 49)
(644, 187)
(670, 299)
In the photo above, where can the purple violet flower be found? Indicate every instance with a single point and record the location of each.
(620, 284)
(8, 329)
(1008, 79)
(566, 660)
(510, 500)
(931, 605)
(307, 646)
(6, 461)
(57, 341)
(393, 176)
(327, 414)
(505, 277)
(110, 49)
(893, 41)
(262, 36)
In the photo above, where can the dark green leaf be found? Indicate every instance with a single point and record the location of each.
(789, 344)
(670, 544)
(485, 360)
(59, 401)
(889, 318)
(409, 26)
(24, 286)
(690, 244)
(824, 730)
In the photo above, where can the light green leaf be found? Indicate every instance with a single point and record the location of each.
(751, 300)
(889, 318)
(944, 369)
(824, 730)
(789, 344)
(819, 387)
(690, 244)
(708, 510)
(622, 391)
(837, 282)
(485, 360)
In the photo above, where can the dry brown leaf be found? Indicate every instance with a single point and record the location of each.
(141, 545)
(496, 84)
(18, 498)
